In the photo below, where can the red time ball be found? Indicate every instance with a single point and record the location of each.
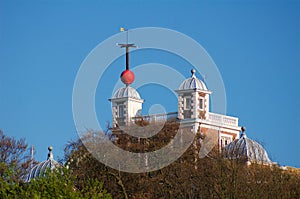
(127, 77)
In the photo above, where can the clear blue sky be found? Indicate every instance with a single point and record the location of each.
(255, 44)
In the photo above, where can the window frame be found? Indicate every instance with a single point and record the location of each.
(203, 100)
(185, 103)
(120, 107)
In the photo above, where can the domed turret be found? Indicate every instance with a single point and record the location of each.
(246, 148)
(193, 98)
(41, 168)
(126, 103)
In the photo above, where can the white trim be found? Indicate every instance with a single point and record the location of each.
(193, 90)
(126, 99)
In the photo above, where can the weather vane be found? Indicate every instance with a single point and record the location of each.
(127, 76)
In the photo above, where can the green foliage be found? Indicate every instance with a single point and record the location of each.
(93, 189)
(55, 184)
(59, 183)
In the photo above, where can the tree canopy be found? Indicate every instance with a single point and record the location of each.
(189, 177)
(83, 176)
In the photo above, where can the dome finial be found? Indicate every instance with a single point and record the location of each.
(50, 155)
(193, 71)
(243, 129)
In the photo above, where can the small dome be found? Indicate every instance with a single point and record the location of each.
(192, 83)
(246, 148)
(127, 92)
(41, 168)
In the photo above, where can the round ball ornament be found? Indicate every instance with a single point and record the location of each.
(127, 77)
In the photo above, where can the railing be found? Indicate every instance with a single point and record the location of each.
(212, 118)
(223, 119)
(156, 117)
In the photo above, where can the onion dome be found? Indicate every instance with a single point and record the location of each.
(41, 168)
(126, 92)
(246, 148)
(193, 83)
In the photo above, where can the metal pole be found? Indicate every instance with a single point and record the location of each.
(127, 57)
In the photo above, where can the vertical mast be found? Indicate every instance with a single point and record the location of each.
(127, 46)
(127, 76)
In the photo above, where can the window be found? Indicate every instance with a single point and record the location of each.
(121, 110)
(225, 140)
(201, 103)
(187, 103)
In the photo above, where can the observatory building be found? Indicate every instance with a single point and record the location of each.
(193, 112)
(193, 107)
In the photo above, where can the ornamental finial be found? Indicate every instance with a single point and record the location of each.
(50, 155)
(193, 71)
(243, 129)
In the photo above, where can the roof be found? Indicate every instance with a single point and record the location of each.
(193, 83)
(127, 92)
(41, 168)
(246, 148)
